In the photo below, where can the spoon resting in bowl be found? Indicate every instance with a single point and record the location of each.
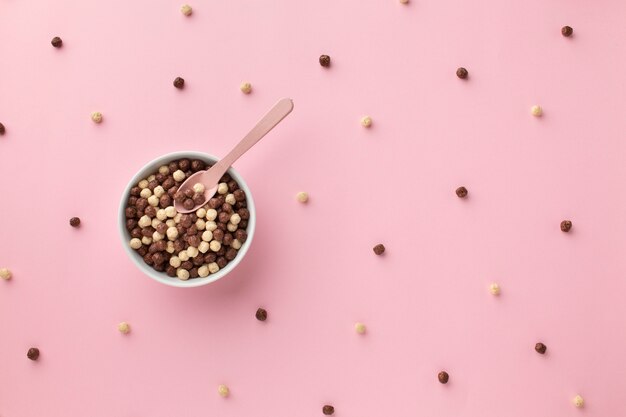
(205, 183)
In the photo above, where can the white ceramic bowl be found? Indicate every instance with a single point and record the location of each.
(162, 277)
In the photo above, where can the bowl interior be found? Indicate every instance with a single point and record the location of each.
(161, 277)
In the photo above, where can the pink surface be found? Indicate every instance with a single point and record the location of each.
(425, 302)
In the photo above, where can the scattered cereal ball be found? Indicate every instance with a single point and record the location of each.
(3, 130)
(33, 354)
(143, 184)
(179, 175)
(96, 117)
(192, 251)
(231, 227)
(302, 197)
(360, 328)
(222, 188)
(179, 82)
(211, 214)
(183, 255)
(203, 247)
(328, 410)
(146, 240)
(443, 377)
(536, 110)
(461, 192)
(56, 42)
(567, 31)
(235, 218)
(145, 193)
(214, 245)
(578, 401)
(236, 244)
(462, 73)
(175, 261)
(230, 199)
(201, 213)
(207, 236)
(366, 121)
(246, 88)
(324, 61)
(135, 243)
(494, 289)
(170, 211)
(379, 249)
(75, 221)
(223, 390)
(144, 221)
(186, 9)
(213, 267)
(566, 225)
(172, 233)
(182, 274)
(203, 271)
(198, 188)
(261, 314)
(5, 273)
(540, 348)
(123, 327)
(404, 1)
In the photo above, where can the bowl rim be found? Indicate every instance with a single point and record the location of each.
(161, 276)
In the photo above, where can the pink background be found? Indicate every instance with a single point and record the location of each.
(425, 302)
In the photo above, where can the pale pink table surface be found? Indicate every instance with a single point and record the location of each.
(426, 302)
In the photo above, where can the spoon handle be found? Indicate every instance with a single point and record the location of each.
(277, 113)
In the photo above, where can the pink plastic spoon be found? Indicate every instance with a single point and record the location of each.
(211, 177)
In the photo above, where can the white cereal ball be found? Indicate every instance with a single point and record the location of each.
(178, 217)
(207, 236)
(578, 401)
(211, 214)
(203, 271)
(145, 193)
(302, 197)
(223, 389)
(182, 274)
(170, 223)
(210, 226)
(5, 273)
(201, 213)
(231, 227)
(143, 184)
(161, 214)
(170, 211)
(235, 218)
(186, 9)
(146, 240)
(123, 327)
(183, 255)
(366, 121)
(170, 247)
(203, 247)
(151, 177)
(494, 289)
(159, 191)
(230, 199)
(135, 243)
(192, 251)
(164, 170)
(200, 224)
(246, 88)
(235, 244)
(359, 328)
(145, 221)
(153, 200)
(536, 110)
(198, 188)
(172, 233)
(214, 245)
(179, 175)
(96, 117)
(222, 188)
(213, 267)
(156, 236)
(155, 222)
(175, 261)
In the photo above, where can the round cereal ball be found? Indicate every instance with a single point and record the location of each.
(123, 327)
